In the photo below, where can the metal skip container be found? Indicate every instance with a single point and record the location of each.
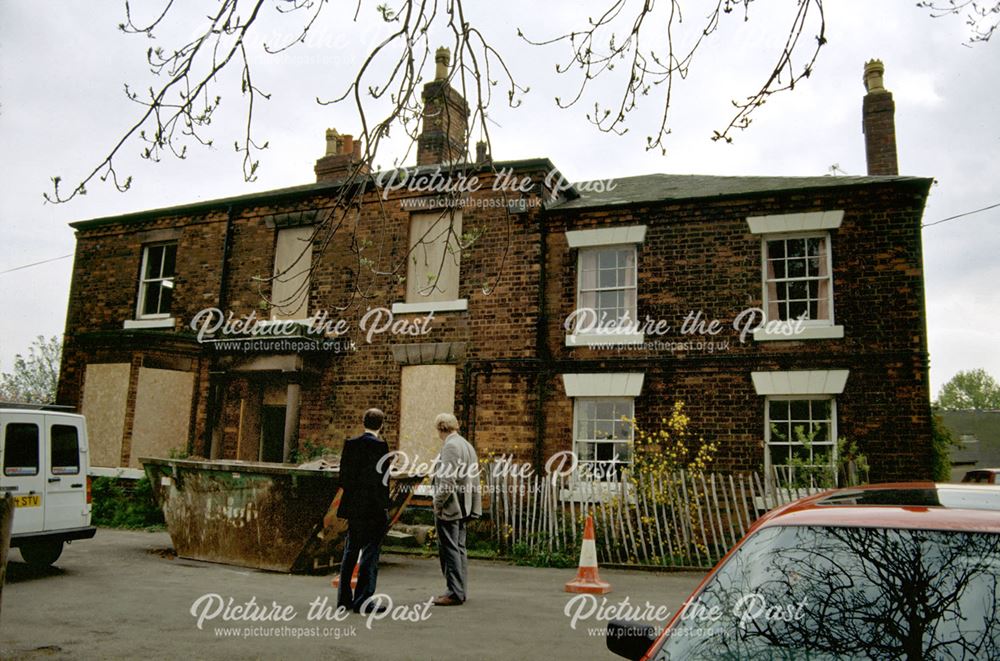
(254, 514)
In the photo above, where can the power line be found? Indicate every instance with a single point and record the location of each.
(28, 266)
(962, 215)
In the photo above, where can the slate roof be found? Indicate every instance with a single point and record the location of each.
(663, 187)
(627, 190)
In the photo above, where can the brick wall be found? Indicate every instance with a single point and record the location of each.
(701, 256)
(697, 255)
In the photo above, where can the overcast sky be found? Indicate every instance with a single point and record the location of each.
(63, 64)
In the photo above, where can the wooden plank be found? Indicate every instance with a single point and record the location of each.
(572, 511)
(531, 516)
(712, 514)
(675, 492)
(686, 517)
(740, 505)
(561, 511)
(626, 511)
(730, 541)
(607, 515)
(751, 509)
(756, 483)
(661, 509)
(645, 495)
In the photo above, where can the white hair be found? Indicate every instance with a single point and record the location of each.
(446, 422)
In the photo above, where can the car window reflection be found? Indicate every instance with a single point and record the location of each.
(802, 592)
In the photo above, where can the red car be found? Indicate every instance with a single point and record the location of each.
(982, 476)
(896, 571)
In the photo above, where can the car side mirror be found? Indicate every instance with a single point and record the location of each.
(630, 639)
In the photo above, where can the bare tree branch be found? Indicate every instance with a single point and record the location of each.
(595, 51)
(982, 18)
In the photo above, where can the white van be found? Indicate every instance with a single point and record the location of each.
(43, 464)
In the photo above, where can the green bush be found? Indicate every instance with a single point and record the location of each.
(941, 444)
(522, 554)
(122, 503)
(417, 516)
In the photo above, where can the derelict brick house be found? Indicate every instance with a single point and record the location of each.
(833, 263)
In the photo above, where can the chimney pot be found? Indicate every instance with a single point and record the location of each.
(874, 70)
(332, 142)
(442, 61)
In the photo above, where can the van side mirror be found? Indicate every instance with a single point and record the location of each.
(630, 639)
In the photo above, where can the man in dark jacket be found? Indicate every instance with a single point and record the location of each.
(365, 504)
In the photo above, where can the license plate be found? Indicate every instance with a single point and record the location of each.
(28, 501)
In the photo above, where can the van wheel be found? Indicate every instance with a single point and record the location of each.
(41, 554)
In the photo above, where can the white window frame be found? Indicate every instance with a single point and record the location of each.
(595, 386)
(416, 302)
(797, 225)
(596, 240)
(144, 282)
(825, 236)
(830, 443)
(582, 475)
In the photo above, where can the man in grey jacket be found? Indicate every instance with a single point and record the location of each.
(457, 499)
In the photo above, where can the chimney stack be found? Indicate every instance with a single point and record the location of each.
(445, 118)
(342, 154)
(483, 153)
(878, 122)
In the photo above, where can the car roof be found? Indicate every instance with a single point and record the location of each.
(24, 410)
(914, 505)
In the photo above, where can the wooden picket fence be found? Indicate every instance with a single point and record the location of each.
(676, 520)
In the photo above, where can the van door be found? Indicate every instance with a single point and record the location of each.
(23, 475)
(65, 475)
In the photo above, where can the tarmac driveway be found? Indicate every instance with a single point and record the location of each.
(123, 595)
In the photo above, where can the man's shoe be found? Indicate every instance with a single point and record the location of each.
(447, 600)
(369, 610)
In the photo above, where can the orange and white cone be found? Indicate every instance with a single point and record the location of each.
(587, 579)
(354, 578)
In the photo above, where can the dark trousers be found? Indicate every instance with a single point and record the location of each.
(364, 537)
(453, 555)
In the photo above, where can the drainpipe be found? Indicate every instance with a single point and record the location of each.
(468, 374)
(212, 436)
(227, 249)
(541, 343)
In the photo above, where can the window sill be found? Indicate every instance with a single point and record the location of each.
(131, 324)
(806, 333)
(603, 339)
(459, 305)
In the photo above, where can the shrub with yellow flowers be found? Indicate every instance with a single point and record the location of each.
(662, 459)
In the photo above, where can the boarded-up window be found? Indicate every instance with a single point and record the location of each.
(425, 391)
(105, 396)
(162, 414)
(433, 264)
(292, 262)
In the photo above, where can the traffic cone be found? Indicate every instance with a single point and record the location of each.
(587, 579)
(354, 578)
